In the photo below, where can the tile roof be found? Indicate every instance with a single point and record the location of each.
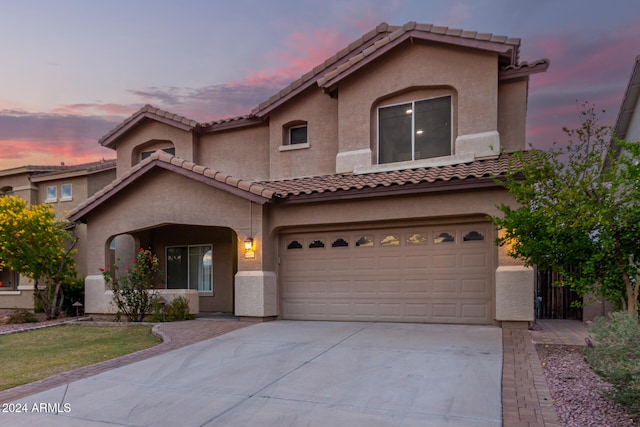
(51, 170)
(151, 112)
(358, 53)
(336, 184)
(327, 186)
(242, 188)
(376, 41)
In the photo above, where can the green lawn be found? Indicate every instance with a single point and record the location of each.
(29, 356)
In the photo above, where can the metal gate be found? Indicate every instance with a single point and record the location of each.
(555, 302)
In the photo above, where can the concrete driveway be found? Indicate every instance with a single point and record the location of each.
(290, 373)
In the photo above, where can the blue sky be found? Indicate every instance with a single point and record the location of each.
(72, 70)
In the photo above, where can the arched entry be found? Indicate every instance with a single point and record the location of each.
(192, 257)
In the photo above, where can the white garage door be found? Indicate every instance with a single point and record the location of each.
(438, 274)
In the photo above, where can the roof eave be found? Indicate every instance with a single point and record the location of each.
(81, 213)
(539, 66)
(629, 102)
(330, 83)
(408, 189)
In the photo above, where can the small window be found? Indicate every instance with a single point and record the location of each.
(390, 240)
(66, 192)
(52, 193)
(444, 238)
(294, 245)
(316, 244)
(364, 241)
(417, 239)
(473, 236)
(339, 243)
(298, 135)
(168, 150)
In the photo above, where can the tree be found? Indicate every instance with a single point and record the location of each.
(34, 244)
(579, 206)
(133, 293)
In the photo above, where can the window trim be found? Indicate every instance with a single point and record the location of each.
(413, 148)
(55, 194)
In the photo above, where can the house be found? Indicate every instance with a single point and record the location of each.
(64, 187)
(361, 191)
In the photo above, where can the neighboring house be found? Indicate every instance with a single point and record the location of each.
(628, 124)
(64, 188)
(361, 191)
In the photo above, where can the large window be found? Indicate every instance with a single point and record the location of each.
(190, 267)
(414, 130)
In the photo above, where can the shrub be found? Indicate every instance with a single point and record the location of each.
(73, 292)
(176, 309)
(22, 315)
(133, 293)
(616, 358)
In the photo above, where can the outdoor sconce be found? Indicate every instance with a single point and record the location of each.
(248, 243)
(248, 248)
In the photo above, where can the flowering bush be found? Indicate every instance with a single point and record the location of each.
(34, 244)
(133, 293)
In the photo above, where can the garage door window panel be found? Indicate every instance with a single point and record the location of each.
(389, 240)
(444, 238)
(315, 244)
(473, 236)
(364, 242)
(294, 244)
(340, 243)
(417, 239)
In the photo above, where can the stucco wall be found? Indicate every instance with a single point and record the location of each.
(512, 113)
(163, 197)
(241, 152)
(470, 73)
(321, 114)
(150, 131)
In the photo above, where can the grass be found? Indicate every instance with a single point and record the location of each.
(30, 356)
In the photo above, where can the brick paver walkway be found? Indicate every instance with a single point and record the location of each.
(175, 335)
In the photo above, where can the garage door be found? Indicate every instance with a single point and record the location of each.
(438, 274)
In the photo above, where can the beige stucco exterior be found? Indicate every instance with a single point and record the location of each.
(208, 194)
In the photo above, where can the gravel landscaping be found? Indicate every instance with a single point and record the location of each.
(577, 392)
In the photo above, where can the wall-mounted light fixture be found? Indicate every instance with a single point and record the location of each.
(248, 243)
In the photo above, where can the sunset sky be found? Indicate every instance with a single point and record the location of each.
(71, 70)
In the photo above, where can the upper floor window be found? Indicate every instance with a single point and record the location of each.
(414, 130)
(66, 192)
(294, 135)
(298, 135)
(52, 193)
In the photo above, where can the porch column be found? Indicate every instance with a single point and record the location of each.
(514, 291)
(256, 286)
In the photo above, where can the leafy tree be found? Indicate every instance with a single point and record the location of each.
(133, 293)
(579, 206)
(34, 244)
